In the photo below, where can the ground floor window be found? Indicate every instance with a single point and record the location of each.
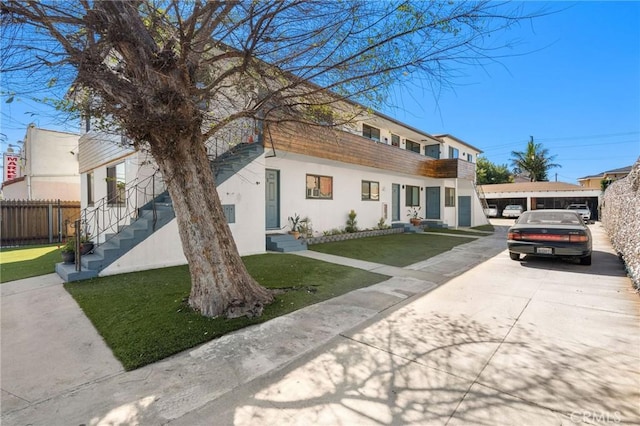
(90, 189)
(449, 197)
(412, 196)
(319, 187)
(370, 190)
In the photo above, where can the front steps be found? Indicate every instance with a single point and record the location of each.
(116, 245)
(285, 243)
(425, 223)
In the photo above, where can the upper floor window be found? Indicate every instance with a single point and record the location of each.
(370, 190)
(321, 114)
(470, 158)
(395, 140)
(453, 152)
(319, 186)
(412, 146)
(371, 132)
(432, 151)
(412, 196)
(116, 184)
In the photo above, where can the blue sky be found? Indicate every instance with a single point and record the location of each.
(576, 91)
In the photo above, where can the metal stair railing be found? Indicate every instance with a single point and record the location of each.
(481, 196)
(103, 221)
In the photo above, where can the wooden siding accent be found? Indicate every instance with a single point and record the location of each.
(345, 147)
(454, 168)
(348, 148)
(96, 149)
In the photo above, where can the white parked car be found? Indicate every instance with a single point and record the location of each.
(491, 211)
(582, 209)
(512, 210)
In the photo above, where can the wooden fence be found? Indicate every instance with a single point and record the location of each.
(37, 222)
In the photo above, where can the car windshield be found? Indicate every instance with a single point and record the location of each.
(513, 207)
(549, 218)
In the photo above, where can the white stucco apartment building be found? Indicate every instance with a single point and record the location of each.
(378, 167)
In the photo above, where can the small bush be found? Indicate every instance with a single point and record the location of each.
(352, 224)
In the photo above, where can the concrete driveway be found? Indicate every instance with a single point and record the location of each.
(535, 342)
(468, 337)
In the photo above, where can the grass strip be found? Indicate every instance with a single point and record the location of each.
(395, 250)
(26, 262)
(144, 316)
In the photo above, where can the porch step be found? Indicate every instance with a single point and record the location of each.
(285, 243)
(67, 271)
(408, 228)
(435, 224)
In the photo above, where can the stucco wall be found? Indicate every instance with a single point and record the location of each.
(164, 248)
(621, 218)
(328, 214)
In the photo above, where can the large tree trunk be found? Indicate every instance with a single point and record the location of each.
(220, 283)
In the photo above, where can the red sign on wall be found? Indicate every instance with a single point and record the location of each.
(11, 167)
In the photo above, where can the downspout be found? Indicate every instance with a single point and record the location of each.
(455, 203)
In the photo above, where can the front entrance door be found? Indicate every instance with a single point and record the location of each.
(464, 210)
(395, 202)
(272, 199)
(433, 202)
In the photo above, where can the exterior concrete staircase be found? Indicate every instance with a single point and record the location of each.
(151, 217)
(115, 245)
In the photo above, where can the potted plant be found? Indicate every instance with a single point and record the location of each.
(295, 225)
(86, 245)
(68, 250)
(414, 217)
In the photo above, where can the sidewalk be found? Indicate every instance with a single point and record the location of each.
(335, 361)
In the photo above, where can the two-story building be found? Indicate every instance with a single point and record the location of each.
(377, 166)
(45, 167)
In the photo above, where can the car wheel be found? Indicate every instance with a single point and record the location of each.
(514, 256)
(585, 260)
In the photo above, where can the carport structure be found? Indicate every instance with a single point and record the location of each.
(541, 195)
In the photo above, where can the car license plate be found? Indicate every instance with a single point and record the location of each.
(544, 250)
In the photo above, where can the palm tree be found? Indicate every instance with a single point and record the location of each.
(535, 161)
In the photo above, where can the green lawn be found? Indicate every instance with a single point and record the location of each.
(144, 317)
(454, 232)
(487, 227)
(25, 262)
(395, 250)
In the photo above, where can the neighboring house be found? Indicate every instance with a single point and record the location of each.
(378, 167)
(46, 169)
(541, 195)
(595, 181)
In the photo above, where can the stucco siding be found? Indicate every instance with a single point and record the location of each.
(328, 214)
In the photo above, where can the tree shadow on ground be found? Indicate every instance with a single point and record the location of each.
(445, 370)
